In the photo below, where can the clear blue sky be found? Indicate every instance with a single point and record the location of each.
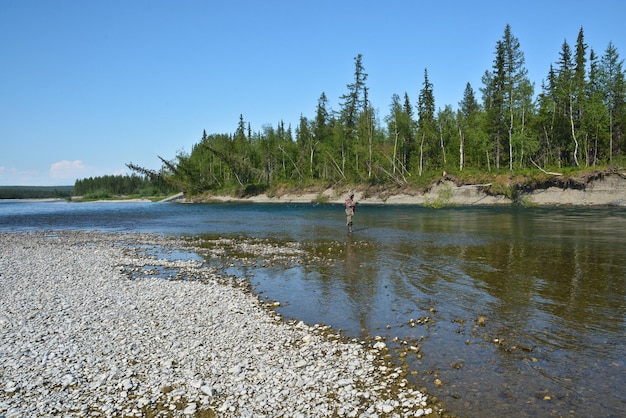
(87, 86)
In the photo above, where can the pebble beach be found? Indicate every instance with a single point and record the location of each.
(81, 336)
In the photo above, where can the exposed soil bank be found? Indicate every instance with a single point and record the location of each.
(597, 188)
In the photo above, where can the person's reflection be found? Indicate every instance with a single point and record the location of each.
(358, 285)
(351, 261)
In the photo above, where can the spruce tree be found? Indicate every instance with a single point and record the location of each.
(578, 93)
(614, 85)
(595, 118)
(401, 129)
(517, 88)
(408, 146)
(352, 107)
(322, 134)
(352, 102)
(426, 122)
(468, 124)
(564, 96)
(493, 102)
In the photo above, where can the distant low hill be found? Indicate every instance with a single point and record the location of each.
(36, 192)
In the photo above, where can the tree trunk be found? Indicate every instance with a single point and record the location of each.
(571, 121)
(311, 161)
(370, 135)
(421, 155)
(610, 135)
(511, 134)
(461, 141)
(443, 149)
(498, 138)
(395, 151)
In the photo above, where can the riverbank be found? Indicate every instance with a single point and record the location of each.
(87, 329)
(594, 189)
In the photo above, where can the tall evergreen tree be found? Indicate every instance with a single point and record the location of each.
(546, 119)
(408, 149)
(468, 125)
(322, 118)
(323, 136)
(352, 106)
(352, 102)
(447, 129)
(517, 88)
(493, 102)
(401, 129)
(426, 122)
(577, 101)
(394, 127)
(612, 77)
(595, 118)
(366, 130)
(240, 133)
(307, 144)
(564, 92)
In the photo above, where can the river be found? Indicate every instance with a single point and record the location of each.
(512, 311)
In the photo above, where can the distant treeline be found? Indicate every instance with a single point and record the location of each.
(120, 185)
(36, 192)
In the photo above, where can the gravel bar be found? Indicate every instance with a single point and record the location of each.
(81, 336)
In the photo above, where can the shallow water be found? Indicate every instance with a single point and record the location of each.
(516, 311)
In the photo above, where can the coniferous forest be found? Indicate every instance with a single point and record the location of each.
(36, 192)
(106, 187)
(574, 120)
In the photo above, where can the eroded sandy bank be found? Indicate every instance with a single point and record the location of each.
(607, 190)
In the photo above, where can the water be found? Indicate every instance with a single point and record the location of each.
(517, 311)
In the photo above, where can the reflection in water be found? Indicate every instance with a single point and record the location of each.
(525, 309)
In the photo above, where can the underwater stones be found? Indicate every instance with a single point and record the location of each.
(82, 332)
(379, 345)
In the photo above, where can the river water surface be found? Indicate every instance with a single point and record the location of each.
(513, 311)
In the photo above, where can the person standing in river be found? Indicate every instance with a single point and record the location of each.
(350, 208)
